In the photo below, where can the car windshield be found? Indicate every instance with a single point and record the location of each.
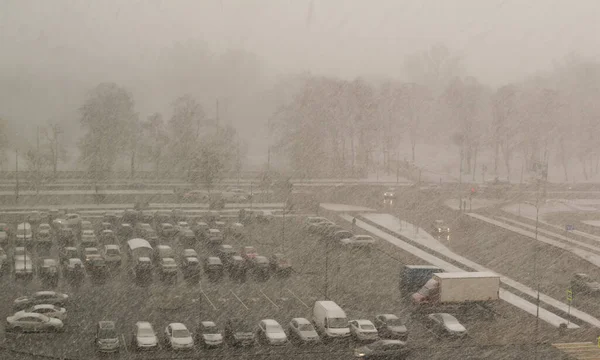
(211, 330)
(337, 323)
(274, 328)
(449, 319)
(181, 333)
(145, 332)
(367, 327)
(112, 252)
(305, 327)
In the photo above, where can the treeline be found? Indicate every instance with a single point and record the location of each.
(334, 127)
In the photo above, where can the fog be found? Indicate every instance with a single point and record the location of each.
(53, 52)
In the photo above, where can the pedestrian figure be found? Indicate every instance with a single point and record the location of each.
(353, 223)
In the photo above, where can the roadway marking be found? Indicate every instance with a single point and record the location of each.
(124, 343)
(238, 299)
(271, 301)
(297, 298)
(206, 296)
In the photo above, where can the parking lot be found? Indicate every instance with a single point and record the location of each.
(364, 283)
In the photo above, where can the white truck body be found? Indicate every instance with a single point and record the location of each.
(457, 287)
(330, 320)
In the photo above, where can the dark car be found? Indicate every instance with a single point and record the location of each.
(583, 283)
(107, 237)
(213, 267)
(166, 230)
(3, 237)
(48, 271)
(107, 337)
(280, 264)
(130, 216)
(187, 237)
(125, 231)
(67, 253)
(390, 326)
(209, 334)
(239, 332)
(260, 267)
(105, 226)
(382, 349)
(168, 269)
(163, 251)
(225, 253)
(238, 268)
(178, 215)
(67, 236)
(190, 267)
(110, 217)
(97, 268)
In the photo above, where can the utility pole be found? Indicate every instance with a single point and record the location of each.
(217, 122)
(326, 270)
(38, 163)
(17, 175)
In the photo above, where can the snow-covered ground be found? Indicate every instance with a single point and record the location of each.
(419, 235)
(474, 204)
(344, 207)
(592, 222)
(528, 210)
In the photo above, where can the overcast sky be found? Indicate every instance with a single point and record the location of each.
(501, 40)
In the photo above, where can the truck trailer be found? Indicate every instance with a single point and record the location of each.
(459, 288)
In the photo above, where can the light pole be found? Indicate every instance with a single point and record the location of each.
(17, 175)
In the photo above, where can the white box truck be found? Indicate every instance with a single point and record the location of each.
(330, 320)
(459, 287)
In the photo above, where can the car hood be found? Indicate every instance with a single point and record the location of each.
(276, 336)
(147, 340)
(397, 329)
(182, 341)
(308, 334)
(212, 337)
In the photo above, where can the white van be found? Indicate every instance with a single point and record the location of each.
(24, 233)
(330, 320)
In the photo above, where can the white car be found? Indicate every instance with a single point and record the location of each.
(178, 337)
(363, 330)
(190, 253)
(209, 334)
(303, 330)
(49, 310)
(358, 240)
(144, 337)
(447, 323)
(271, 332)
(182, 225)
(32, 322)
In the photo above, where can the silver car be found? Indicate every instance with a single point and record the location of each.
(302, 330)
(391, 327)
(49, 310)
(271, 332)
(32, 322)
(209, 334)
(448, 324)
(144, 337)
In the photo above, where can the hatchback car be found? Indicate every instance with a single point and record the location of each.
(302, 330)
(239, 332)
(390, 326)
(270, 332)
(178, 337)
(107, 338)
(363, 330)
(41, 297)
(144, 337)
(209, 334)
(32, 322)
(447, 324)
(112, 254)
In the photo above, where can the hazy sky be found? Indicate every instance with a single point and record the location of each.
(501, 40)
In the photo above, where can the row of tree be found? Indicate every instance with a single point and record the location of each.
(334, 127)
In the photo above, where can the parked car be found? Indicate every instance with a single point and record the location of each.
(270, 332)
(200, 229)
(32, 322)
(86, 225)
(302, 330)
(341, 234)
(383, 349)
(112, 254)
(105, 226)
(144, 337)
(196, 196)
(209, 334)
(248, 253)
(583, 283)
(260, 267)
(89, 253)
(238, 332)
(213, 236)
(48, 271)
(40, 297)
(166, 230)
(178, 337)
(163, 251)
(236, 230)
(280, 264)
(213, 267)
(110, 217)
(225, 253)
(49, 310)
(358, 241)
(447, 324)
(88, 239)
(238, 268)
(390, 326)
(125, 231)
(187, 237)
(108, 236)
(191, 268)
(363, 330)
(74, 269)
(3, 237)
(106, 338)
(168, 268)
(189, 253)
(177, 215)
(44, 231)
(220, 225)
(73, 220)
(182, 225)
